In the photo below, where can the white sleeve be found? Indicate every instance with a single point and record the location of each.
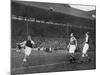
(32, 42)
(24, 42)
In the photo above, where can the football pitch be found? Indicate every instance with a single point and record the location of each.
(40, 61)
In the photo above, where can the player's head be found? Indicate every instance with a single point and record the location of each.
(29, 37)
(71, 35)
(87, 33)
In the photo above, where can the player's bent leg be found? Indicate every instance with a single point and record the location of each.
(85, 57)
(27, 53)
(85, 49)
(72, 58)
(72, 49)
(25, 58)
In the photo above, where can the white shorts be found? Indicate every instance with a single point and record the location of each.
(85, 48)
(72, 48)
(27, 50)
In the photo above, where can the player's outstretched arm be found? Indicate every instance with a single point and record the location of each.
(32, 42)
(24, 42)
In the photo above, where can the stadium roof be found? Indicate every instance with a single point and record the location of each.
(58, 13)
(61, 8)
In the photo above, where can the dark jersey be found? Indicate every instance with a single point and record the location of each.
(73, 42)
(28, 43)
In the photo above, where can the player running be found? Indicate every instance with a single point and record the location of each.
(85, 45)
(27, 47)
(72, 46)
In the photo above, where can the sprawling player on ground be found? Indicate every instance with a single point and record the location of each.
(85, 45)
(27, 46)
(72, 46)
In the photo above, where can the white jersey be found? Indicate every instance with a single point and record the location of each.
(85, 46)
